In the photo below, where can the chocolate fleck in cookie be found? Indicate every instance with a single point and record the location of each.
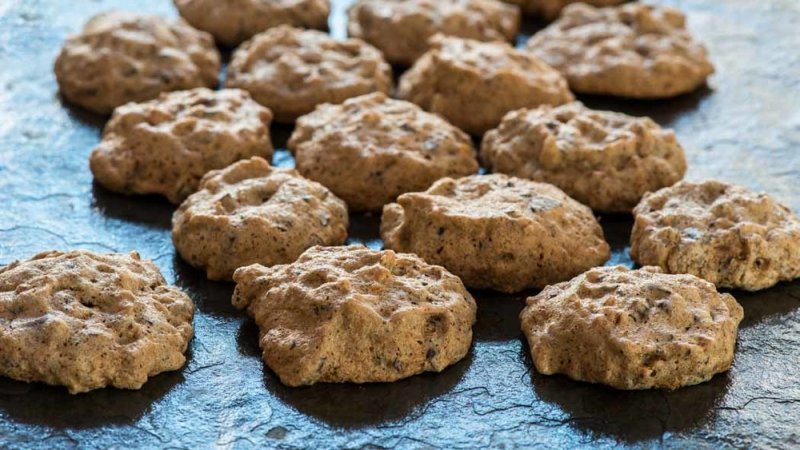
(291, 71)
(232, 22)
(632, 329)
(474, 84)
(165, 146)
(122, 57)
(251, 212)
(722, 233)
(632, 50)
(603, 159)
(497, 232)
(370, 149)
(351, 314)
(86, 320)
(401, 28)
(549, 9)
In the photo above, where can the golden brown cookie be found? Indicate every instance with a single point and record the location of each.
(726, 234)
(122, 57)
(291, 71)
(633, 50)
(86, 320)
(351, 314)
(370, 149)
(253, 213)
(474, 84)
(232, 22)
(497, 232)
(603, 159)
(549, 9)
(401, 28)
(165, 146)
(632, 329)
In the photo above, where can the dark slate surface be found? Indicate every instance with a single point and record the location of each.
(745, 128)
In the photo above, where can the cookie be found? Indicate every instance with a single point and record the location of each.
(497, 232)
(632, 329)
(401, 28)
(633, 50)
(549, 9)
(251, 212)
(370, 149)
(291, 71)
(86, 320)
(722, 233)
(232, 22)
(603, 159)
(355, 315)
(122, 57)
(165, 146)
(474, 84)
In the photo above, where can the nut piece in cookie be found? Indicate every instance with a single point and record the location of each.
(603, 159)
(474, 84)
(549, 9)
(253, 213)
(86, 320)
(632, 329)
(370, 149)
(497, 232)
(165, 146)
(355, 315)
(122, 57)
(633, 50)
(401, 28)
(232, 22)
(291, 71)
(726, 234)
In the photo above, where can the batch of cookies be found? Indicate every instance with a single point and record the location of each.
(334, 313)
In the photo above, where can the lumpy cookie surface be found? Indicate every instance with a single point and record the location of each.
(401, 28)
(291, 71)
(351, 314)
(726, 234)
(86, 321)
(632, 50)
(497, 232)
(549, 9)
(370, 149)
(603, 159)
(251, 212)
(632, 329)
(474, 84)
(232, 22)
(165, 146)
(122, 57)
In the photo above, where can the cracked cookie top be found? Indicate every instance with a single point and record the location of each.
(351, 314)
(87, 320)
(725, 234)
(549, 9)
(122, 57)
(633, 50)
(632, 329)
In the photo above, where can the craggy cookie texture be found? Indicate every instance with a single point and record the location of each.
(632, 50)
(122, 57)
(549, 9)
(474, 84)
(86, 320)
(165, 146)
(253, 213)
(370, 149)
(632, 329)
(234, 21)
(291, 71)
(497, 232)
(351, 314)
(401, 28)
(603, 159)
(722, 233)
